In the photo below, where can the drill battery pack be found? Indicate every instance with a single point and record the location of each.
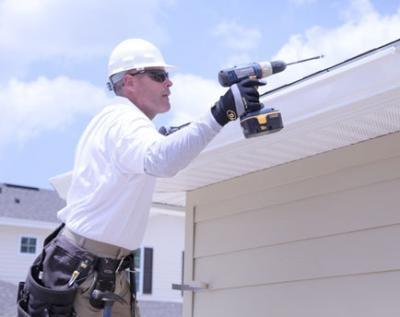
(265, 121)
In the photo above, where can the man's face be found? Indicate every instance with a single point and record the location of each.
(151, 91)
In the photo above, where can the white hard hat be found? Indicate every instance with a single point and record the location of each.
(134, 54)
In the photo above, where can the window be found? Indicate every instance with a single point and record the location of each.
(28, 245)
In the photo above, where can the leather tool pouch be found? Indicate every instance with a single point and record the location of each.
(41, 301)
(37, 300)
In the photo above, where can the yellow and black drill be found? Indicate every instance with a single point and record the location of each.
(266, 120)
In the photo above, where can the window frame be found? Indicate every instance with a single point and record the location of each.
(28, 236)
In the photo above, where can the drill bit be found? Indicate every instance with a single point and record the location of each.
(305, 60)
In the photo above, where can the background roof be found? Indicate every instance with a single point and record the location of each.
(29, 203)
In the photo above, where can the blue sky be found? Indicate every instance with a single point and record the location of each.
(54, 58)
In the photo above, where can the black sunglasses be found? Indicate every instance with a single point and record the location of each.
(156, 75)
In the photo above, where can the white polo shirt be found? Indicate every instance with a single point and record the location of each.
(117, 160)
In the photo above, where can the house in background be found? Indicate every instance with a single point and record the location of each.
(304, 222)
(28, 215)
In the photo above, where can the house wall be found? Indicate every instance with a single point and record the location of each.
(14, 265)
(165, 234)
(315, 237)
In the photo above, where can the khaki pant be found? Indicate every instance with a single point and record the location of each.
(84, 309)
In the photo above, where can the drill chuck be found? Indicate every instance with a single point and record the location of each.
(229, 76)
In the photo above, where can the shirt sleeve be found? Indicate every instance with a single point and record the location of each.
(140, 148)
(168, 155)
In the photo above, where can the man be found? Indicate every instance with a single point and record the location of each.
(117, 160)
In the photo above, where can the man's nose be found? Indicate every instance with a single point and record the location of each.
(168, 82)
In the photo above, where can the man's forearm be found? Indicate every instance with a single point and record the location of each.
(167, 156)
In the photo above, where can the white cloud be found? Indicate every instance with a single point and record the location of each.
(358, 9)
(363, 29)
(239, 41)
(29, 109)
(236, 59)
(238, 37)
(73, 28)
(192, 96)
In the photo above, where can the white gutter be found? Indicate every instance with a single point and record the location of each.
(27, 223)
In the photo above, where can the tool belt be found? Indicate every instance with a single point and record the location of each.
(36, 300)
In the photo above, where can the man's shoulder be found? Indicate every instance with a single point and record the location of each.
(123, 115)
(122, 105)
(119, 109)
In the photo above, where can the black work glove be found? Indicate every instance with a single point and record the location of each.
(240, 98)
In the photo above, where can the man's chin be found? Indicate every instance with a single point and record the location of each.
(167, 107)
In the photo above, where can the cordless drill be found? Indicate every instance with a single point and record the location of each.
(266, 120)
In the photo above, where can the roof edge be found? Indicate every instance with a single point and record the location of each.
(335, 66)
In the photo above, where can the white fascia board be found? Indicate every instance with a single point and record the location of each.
(166, 210)
(27, 223)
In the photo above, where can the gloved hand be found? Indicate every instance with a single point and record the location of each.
(240, 98)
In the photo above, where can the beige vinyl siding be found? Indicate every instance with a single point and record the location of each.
(351, 296)
(315, 237)
(311, 217)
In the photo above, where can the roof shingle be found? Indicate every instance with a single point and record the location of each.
(31, 203)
